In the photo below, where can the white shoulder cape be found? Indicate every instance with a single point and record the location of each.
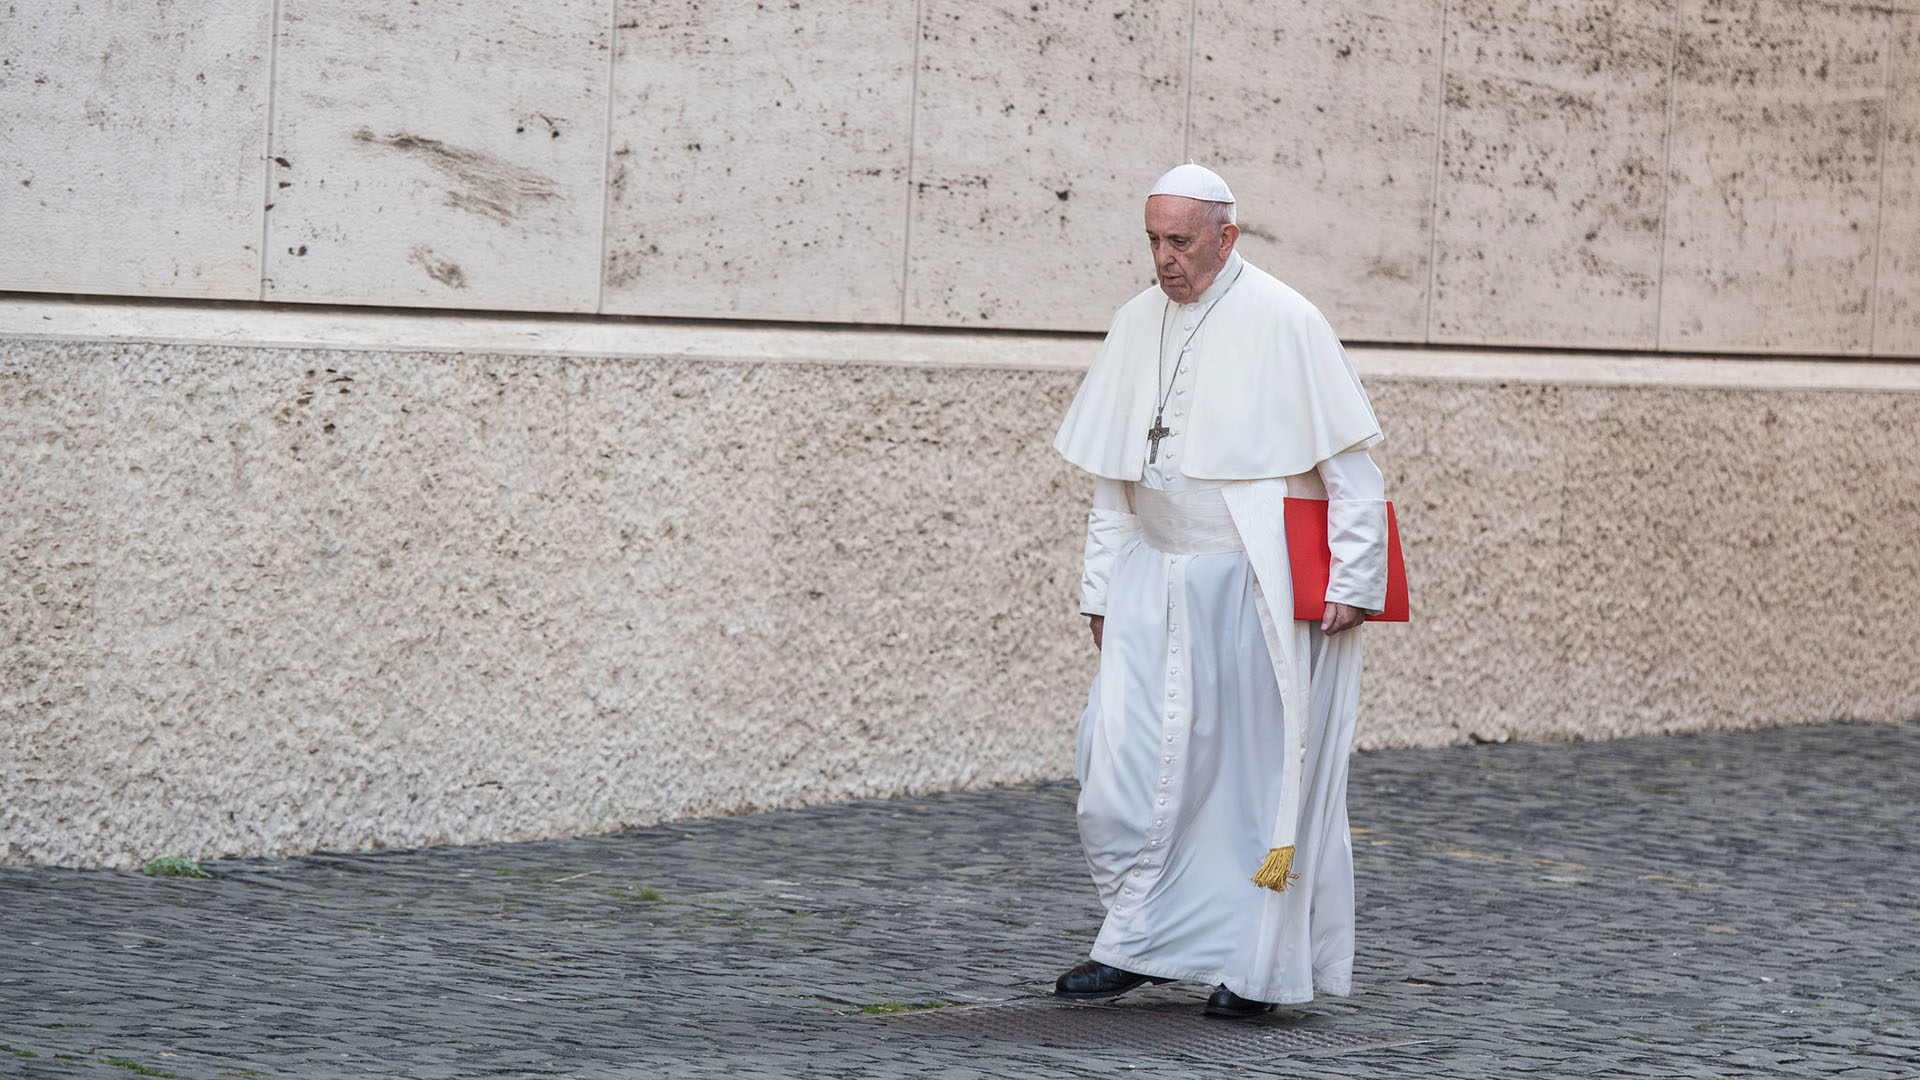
(1273, 391)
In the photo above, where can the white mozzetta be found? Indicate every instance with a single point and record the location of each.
(1278, 396)
(445, 154)
(1321, 116)
(131, 155)
(1038, 129)
(760, 160)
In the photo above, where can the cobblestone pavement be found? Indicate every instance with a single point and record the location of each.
(1709, 905)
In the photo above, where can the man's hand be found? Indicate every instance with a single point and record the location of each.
(1338, 617)
(1096, 623)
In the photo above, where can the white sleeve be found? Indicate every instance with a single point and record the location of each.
(1356, 531)
(1109, 524)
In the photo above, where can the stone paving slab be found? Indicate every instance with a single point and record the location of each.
(1716, 905)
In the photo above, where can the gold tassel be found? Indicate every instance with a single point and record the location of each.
(1277, 872)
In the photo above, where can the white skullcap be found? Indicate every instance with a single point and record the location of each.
(1192, 181)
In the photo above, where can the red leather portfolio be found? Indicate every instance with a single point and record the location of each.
(1312, 562)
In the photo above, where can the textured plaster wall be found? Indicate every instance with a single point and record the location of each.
(1717, 175)
(268, 599)
(1594, 562)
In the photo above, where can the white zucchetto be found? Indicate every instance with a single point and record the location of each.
(1192, 181)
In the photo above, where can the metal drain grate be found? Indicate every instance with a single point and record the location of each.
(1158, 1029)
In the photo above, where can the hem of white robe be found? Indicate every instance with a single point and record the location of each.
(1337, 982)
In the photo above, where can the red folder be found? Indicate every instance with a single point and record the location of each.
(1312, 562)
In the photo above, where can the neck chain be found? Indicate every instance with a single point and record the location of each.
(1160, 430)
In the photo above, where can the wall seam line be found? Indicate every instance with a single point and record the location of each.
(1880, 212)
(1193, 51)
(24, 316)
(913, 139)
(1439, 144)
(1849, 373)
(606, 161)
(266, 164)
(1666, 179)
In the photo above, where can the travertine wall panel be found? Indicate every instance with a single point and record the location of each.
(1322, 117)
(1898, 304)
(1038, 128)
(262, 599)
(1775, 176)
(1551, 172)
(759, 160)
(131, 160)
(981, 164)
(448, 154)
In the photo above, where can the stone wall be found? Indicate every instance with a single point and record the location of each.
(272, 598)
(310, 543)
(1708, 175)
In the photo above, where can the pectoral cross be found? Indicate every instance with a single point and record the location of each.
(1154, 434)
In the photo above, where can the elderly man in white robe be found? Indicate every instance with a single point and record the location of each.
(1212, 756)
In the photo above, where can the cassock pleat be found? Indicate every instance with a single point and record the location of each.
(1180, 780)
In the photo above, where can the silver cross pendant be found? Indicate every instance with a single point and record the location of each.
(1154, 434)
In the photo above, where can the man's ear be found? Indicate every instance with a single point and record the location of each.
(1230, 235)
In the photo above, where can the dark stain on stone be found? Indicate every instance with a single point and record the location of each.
(445, 271)
(1378, 267)
(283, 163)
(620, 270)
(486, 185)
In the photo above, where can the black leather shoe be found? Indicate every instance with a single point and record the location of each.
(1225, 1002)
(1093, 979)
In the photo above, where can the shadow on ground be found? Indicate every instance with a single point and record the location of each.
(1703, 905)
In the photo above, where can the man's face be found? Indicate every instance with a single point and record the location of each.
(1188, 248)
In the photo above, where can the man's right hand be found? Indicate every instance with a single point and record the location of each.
(1096, 623)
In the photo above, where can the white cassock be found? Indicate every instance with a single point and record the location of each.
(1214, 736)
